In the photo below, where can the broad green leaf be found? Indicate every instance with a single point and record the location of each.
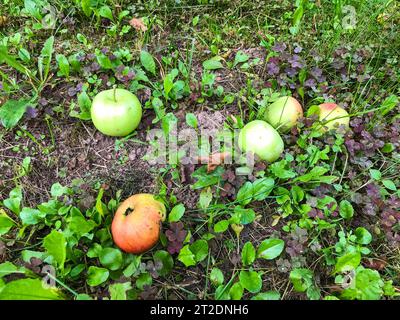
(148, 62)
(205, 198)
(63, 65)
(45, 57)
(368, 286)
(78, 224)
(347, 262)
(301, 279)
(57, 190)
(213, 64)
(236, 291)
(86, 7)
(31, 216)
(7, 268)
(12, 111)
(6, 223)
(199, 249)
(221, 226)
(29, 289)
(389, 184)
(55, 245)
(167, 262)
(346, 210)
(262, 188)
(144, 279)
(186, 256)
(216, 277)
(111, 258)
(97, 276)
(270, 248)
(250, 280)
(240, 58)
(248, 254)
(118, 290)
(13, 202)
(245, 193)
(269, 295)
(176, 213)
(375, 174)
(106, 12)
(191, 120)
(363, 236)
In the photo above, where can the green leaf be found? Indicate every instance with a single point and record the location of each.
(216, 277)
(167, 262)
(347, 262)
(86, 8)
(346, 210)
(301, 279)
(205, 198)
(57, 190)
(363, 236)
(85, 104)
(213, 64)
(248, 254)
(368, 286)
(7, 268)
(200, 249)
(63, 65)
(31, 216)
(240, 58)
(389, 184)
(191, 120)
(388, 104)
(236, 291)
(221, 226)
(97, 276)
(269, 295)
(12, 111)
(315, 174)
(176, 213)
(14, 63)
(6, 223)
(45, 57)
(250, 280)
(111, 258)
(55, 245)
(280, 170)
(375, 174)
(262, 188)
(106, 12)
(78, 224)
(186, 256)
(270, 248)
(245, 193)
(144, 279)
(148, 62)
(28, 289)
(118, 290)
(13, 203)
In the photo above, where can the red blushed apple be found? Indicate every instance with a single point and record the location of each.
(332, 116)
(284, 113)
(136, 224)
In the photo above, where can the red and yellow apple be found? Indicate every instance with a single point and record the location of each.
(284, 113)
(116, 112)
(332, 116)
(261, 139)
(137, 222)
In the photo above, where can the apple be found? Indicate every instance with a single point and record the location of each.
(136, 224)
(116, 112)
(284, 113)
(332, 116)
(262, 139)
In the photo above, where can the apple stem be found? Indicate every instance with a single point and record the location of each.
(115, 92)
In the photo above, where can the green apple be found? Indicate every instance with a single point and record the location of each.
(116, 112)
(262, 139)
(284, 113)
(331, 116)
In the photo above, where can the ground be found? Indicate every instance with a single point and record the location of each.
(321, 222)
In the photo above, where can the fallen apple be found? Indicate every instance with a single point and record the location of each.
(116, 112)
(332, 116)
(136, 224)
(284, 113)
(262, 139)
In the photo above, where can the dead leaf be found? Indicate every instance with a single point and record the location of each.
(377, 264)
(214, 160)
(138, 24)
